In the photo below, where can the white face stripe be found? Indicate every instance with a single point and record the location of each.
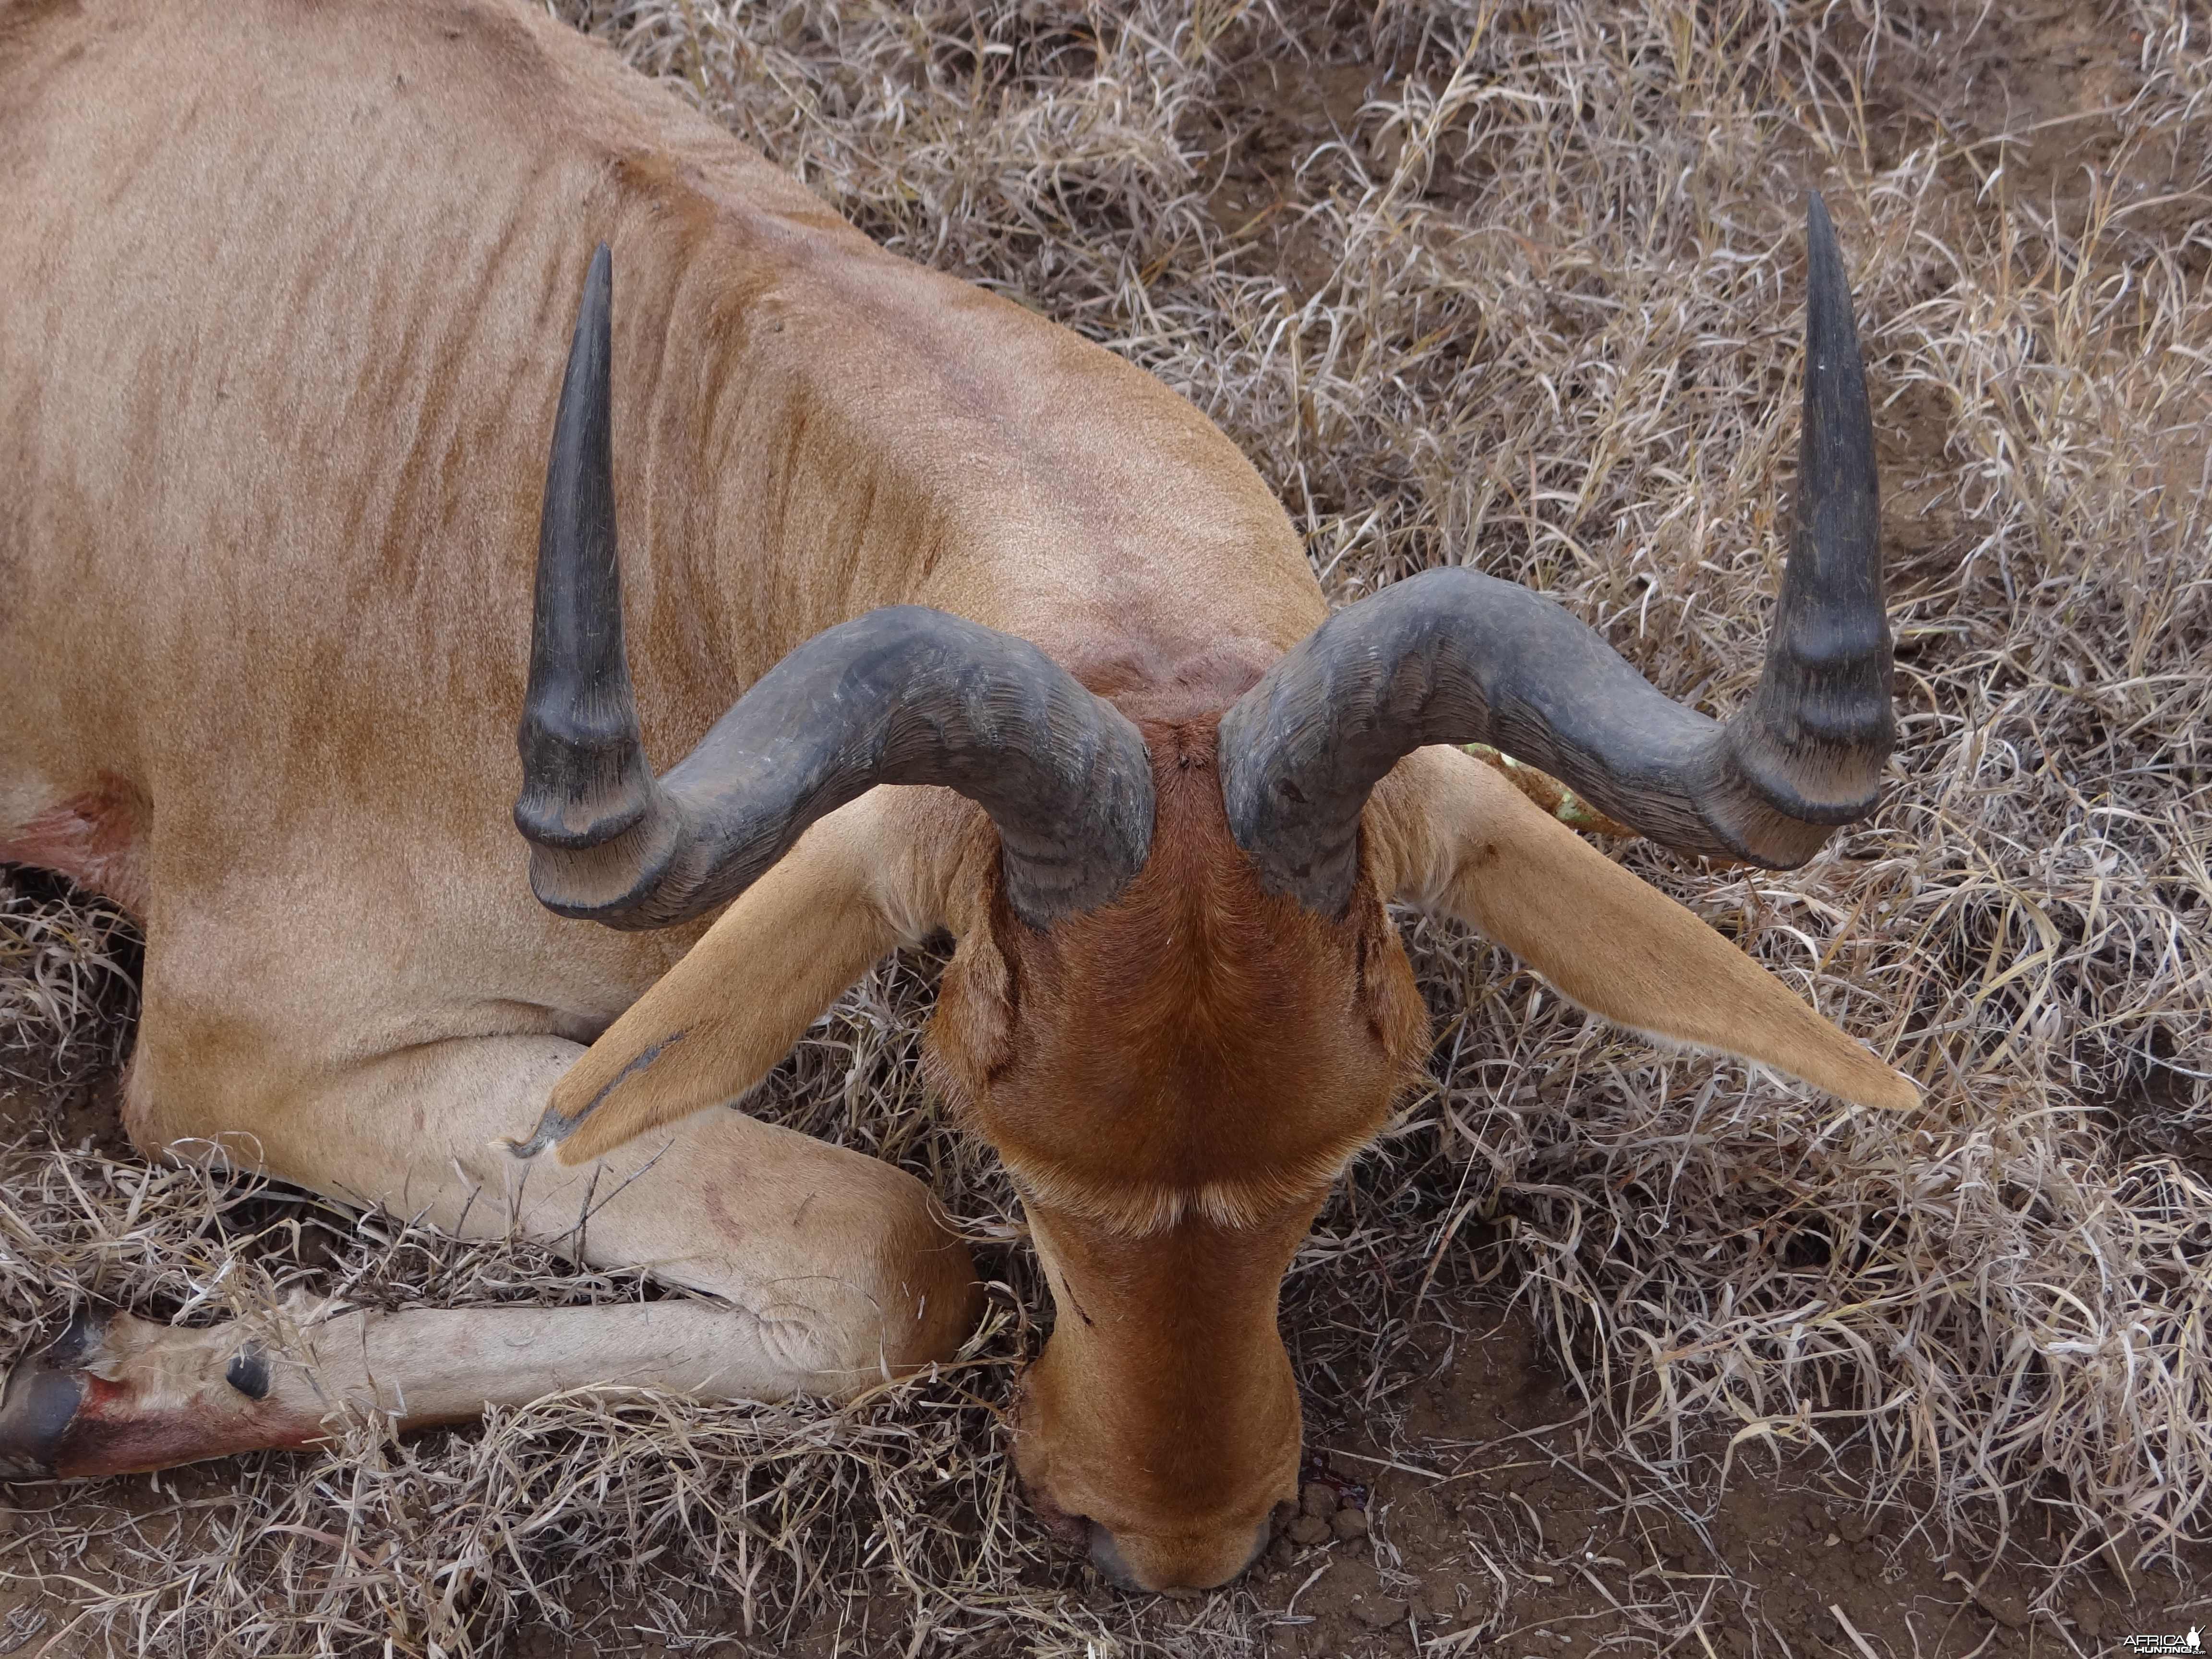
(1137, 1211)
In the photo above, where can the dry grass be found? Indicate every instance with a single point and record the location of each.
(1530, 306)
(68, 983)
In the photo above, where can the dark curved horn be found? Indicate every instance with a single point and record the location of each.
(1450, 656)
(902, 695)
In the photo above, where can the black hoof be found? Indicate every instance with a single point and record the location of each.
(42, 1400)
(248, 1372)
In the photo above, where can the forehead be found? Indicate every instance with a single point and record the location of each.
(1199, 1042)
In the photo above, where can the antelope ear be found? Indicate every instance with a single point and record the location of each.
(866, 879)
(1396, 1013)
(971, 1034)
(1451, 835)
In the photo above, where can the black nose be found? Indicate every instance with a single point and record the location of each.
(1114, 1567)
(1106, 1556)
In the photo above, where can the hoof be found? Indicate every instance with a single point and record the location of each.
(42, 1400)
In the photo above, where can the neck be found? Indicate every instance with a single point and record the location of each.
(814, 429)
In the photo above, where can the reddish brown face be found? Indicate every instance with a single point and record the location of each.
(1173, 1082)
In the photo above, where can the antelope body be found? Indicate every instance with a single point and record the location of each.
(961, 622)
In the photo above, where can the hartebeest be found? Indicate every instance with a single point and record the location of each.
(963, 623)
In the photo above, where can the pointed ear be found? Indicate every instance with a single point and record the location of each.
(1396, 1013)
(970, 1036)
(1451, 835)
(877, 873)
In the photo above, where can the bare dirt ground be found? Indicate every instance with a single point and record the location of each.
(1511, 1451)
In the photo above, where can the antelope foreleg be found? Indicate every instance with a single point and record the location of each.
(117, 1395)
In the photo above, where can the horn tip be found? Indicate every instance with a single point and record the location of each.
(597, 300)
(1827, 284)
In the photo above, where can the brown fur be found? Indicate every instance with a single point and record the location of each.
(272, 420)
(1174, 1081)
(1198, 1049)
